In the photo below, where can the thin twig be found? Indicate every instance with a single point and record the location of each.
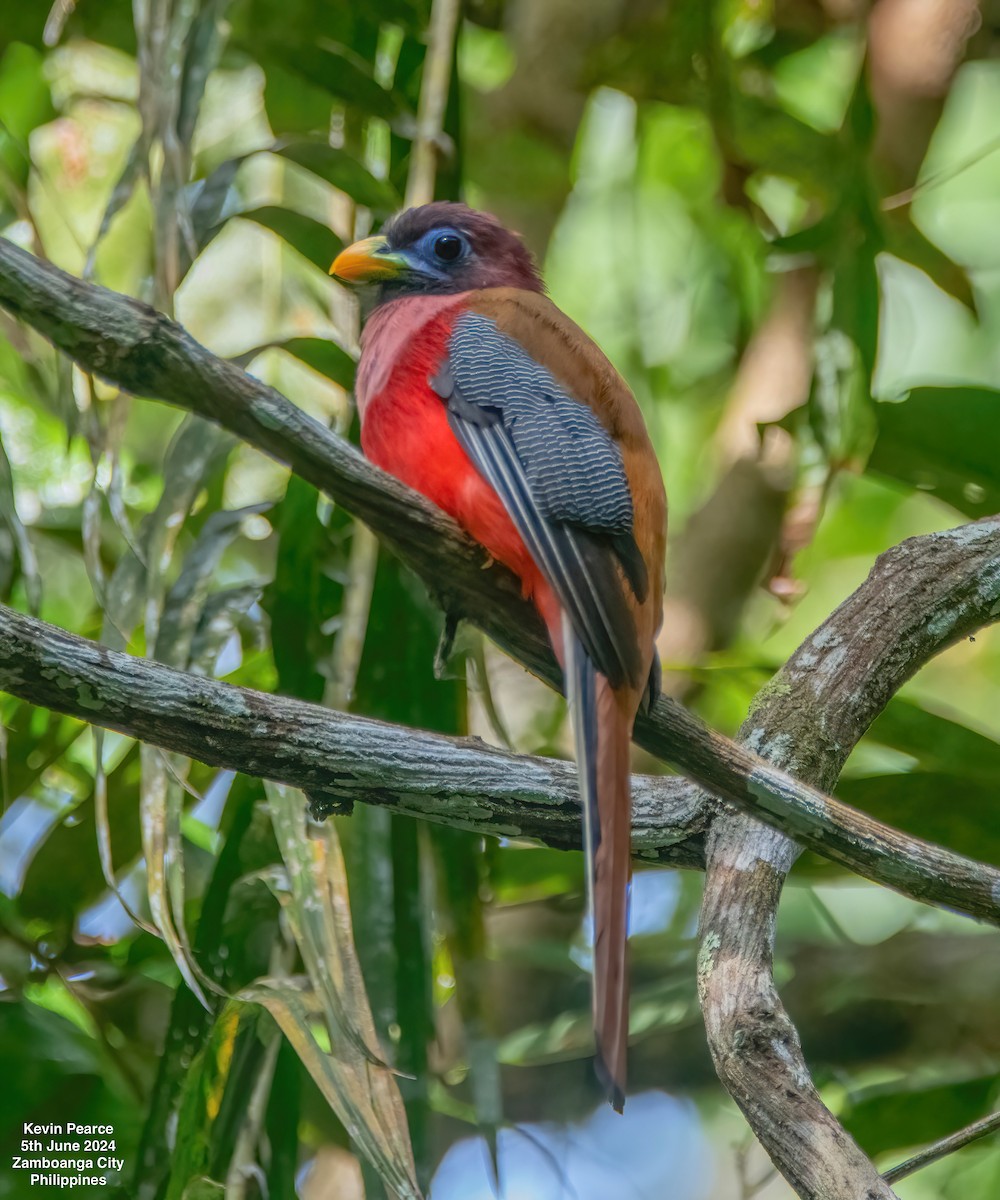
(433, 101)
(947, 1145)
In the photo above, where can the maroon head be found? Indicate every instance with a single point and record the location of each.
(438, 249)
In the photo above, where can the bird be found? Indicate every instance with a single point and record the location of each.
(478, 392)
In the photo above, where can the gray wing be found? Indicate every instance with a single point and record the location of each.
(561, 478)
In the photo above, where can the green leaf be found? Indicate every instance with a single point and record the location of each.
(25, 103)
(669, 1005)
(161, 802)
(323, 356)
(25, 550)
(43, 1051)
(313, 894)
(340, 72)
(777, 142)
(196, 453)
(896, 1117)
(312, 239)
(839, 403)
(208, 198)
(294, 106)
(906, 241)
(953, 810)
(205, 1086)
(522, 873)
(312, 891)
(204, 1188)
(342, 171)
(186, 600)
(282, 1123)
(70, 855)
(945, 440)
(307, 589)
(234, 939)
(202, 47)
(936, 742)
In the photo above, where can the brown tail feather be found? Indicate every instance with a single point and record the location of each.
(612, 870)
(602, 724)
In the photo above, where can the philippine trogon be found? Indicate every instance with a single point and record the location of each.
(474, 389)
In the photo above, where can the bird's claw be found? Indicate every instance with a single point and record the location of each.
(446, 644)
(323, 805)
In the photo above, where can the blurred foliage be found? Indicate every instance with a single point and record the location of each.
(717, 198)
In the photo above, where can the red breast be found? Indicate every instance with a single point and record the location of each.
(405, 431)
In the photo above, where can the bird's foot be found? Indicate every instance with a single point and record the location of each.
(323, 805)
(446, 644)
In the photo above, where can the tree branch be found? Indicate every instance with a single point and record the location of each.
(336, 757)
(919, 597)
(340, 758)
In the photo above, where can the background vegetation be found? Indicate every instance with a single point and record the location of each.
(779, 221)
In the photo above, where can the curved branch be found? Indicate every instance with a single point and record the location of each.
(921, 596)
(336, 757)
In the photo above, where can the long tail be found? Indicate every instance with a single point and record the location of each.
(602, 728)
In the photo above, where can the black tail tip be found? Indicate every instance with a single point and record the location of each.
(614, 1091)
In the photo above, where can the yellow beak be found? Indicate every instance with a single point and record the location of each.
(368, 262)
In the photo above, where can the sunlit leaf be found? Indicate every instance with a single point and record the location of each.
(160, 805)
(121, 193)
(15, 527)
(364, 1097)
(323, 355)
(343, 171)
(313, 893)
(25, 103)
(314, 898)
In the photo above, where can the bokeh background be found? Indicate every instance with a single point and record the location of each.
(779, 218)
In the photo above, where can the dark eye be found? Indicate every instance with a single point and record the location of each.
(448, 247)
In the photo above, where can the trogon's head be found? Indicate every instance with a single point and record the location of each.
(438, 249)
